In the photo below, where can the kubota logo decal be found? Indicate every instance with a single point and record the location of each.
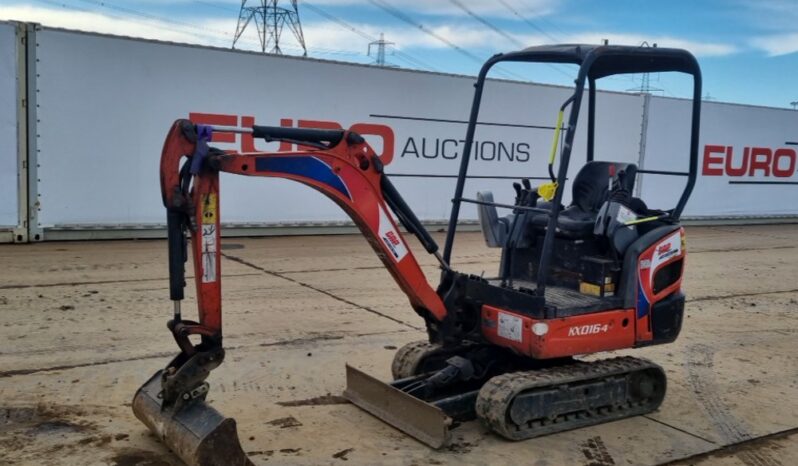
(390, 238)
(666, 250)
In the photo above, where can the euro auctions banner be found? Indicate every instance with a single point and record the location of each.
(106, 103)
(748, 158)
(8, 126)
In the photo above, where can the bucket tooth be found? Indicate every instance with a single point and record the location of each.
(195, 432)
(421, 420)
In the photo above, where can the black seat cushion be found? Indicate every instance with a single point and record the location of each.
(573, 222)
(590, 187)
(589, 191)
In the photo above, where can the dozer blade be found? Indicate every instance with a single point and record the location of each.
(427, 423)
(196, 432)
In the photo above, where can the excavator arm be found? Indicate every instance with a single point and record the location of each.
(339, 164)
(344, 168)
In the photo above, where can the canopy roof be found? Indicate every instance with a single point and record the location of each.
(606, 60)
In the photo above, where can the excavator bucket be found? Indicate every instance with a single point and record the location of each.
(196, 432)
(421, 420)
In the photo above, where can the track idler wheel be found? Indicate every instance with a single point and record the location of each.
(410, 359)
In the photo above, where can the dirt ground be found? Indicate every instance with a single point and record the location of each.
(82, 325)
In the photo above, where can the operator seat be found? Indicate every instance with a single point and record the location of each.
(588, 192)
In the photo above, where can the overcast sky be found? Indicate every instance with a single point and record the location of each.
(748, 49)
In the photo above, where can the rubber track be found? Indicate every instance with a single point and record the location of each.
(496, 396)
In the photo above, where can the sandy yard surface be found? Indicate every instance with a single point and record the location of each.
(82, 325)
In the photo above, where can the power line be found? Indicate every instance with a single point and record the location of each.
(205, 32)
(552, 24)
(554, 39)
(527, 21)
(403, 17)
(498, 30)
(408, 58)
(183, 26)
(216, 5)
(130, 11)
(542, 18)
(487, 23)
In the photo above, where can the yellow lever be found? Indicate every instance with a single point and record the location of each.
(643, 220)
(547, 190)
(556, 138)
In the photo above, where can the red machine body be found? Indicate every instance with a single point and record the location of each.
(602, 273)
(350, 174)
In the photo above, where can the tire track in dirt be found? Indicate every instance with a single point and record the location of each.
(734, 449)
(730, 250)
(294, 341)
(740, 295)
(491, 257)
(658, 421)
(107, 282)
(740, 229)
(596, 452)
(319, 290)
(732, 430)
(15, 372)
(30, 432)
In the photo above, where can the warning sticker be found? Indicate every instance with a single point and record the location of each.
(208, 253)
(209, 209)
(625, 215)
(390, 237)
(510, 327)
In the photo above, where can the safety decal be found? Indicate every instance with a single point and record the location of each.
(625, 215)
(390, 237)
(208, 253)
(510, 327)
(209, 209)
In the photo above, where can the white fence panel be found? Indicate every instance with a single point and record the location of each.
(747, 159)
(9, 198)
(105, 104)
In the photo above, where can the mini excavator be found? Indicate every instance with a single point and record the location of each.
(603, 273)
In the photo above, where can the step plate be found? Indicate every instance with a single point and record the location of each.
(417, 418)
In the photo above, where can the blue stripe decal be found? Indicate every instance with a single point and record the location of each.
(308, 167)
(643, 305)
